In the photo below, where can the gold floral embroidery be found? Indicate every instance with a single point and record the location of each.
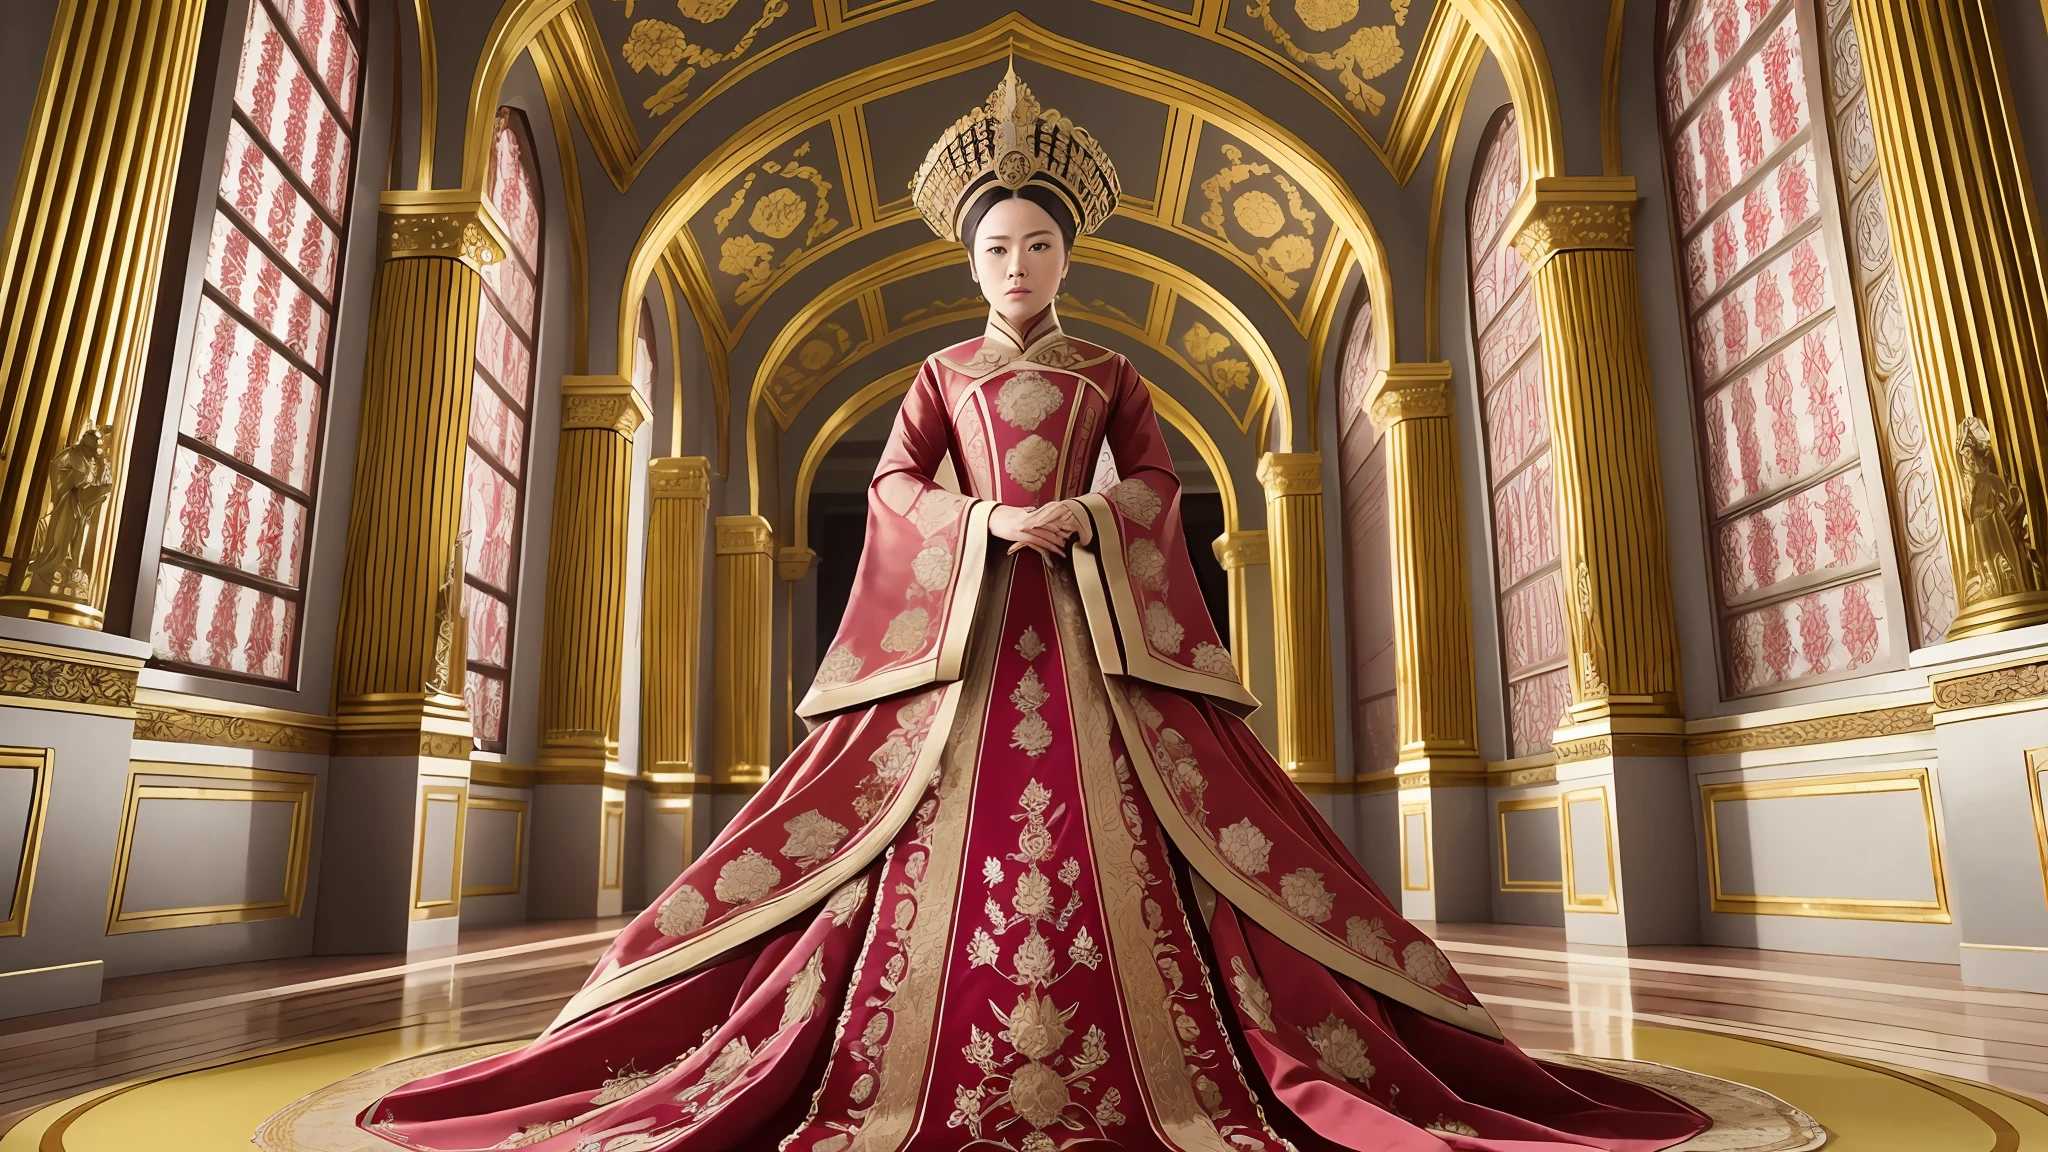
(1445, 1126)
(1370, 939)
(907, 631)
(933, 569)
(1252, 997)
(1147, 564)
(1214, 661)
(682, 913)
(1341, 1050)
(1136, 499)
(1031, 734)
(936, 509)
(1245, 847)
(1425, 965)
(839, 666)
(1162, 631)
(812, 837)
(1303, 891)
(1030, 462)
(1027, 398)
(805, 990)
(746, 878)
(630, 1082)
(1029, 645)
(847, 900)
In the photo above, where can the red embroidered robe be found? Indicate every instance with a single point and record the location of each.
(1030, 883)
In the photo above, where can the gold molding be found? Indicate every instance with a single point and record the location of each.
(1610, 89)
(611, 845)
(1408, 883)
(1408, 392)
(548, 69)
(179, 718)
(438, 909)
(41, 762)
(1875, 722)
(1501, 808)
(603, 403)
(295, 788)
(1572, 214)
(1934, 911)
(440, 224)
(1601, 745)
(1522, 771)
(2037, 763)
(572, 48)
(46, 676)
(1241, 549)
(1432, 273)
(500, 804)
(1574, 901)
(2008, 683)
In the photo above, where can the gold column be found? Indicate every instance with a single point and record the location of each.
(78, 291)
(1577, 234)
(672, 619)
(406, 508)
(1968, 245)
(1301, 614)
(791, 565)
(1411, 404)
(1236, 551)
(744, 595)
(583, 645)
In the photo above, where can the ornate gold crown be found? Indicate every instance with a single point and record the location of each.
(1010, 141)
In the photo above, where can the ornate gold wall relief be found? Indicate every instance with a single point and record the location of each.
(66, 679)
(78, 291)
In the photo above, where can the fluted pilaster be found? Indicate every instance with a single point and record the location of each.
(744, 649)
(672, 620)
(1301, 614)
(583, 646)
(1967, 243)
(78, 291)
(1237, 551)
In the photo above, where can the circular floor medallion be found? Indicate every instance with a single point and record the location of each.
(1745, 1119)
(324, 1120)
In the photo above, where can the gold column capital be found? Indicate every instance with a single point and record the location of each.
(744, 535)
(603, 403)
(791, 564)
(1291, 474)
(679, 477)
(1235, 550)
(1572, 214)
(448, 223)
(1409, 392)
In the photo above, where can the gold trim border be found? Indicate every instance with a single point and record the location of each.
(523, 809)
(438, 909)
(1892, 721)
(1501, 808)
(1408, 883)
(41, 761)
(298, 790)
(2037, 763)
(1574, 901)
(178, 718)
(611, 845)
(53, 678)
(1918, 779)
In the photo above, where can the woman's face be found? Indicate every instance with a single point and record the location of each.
(1019, 259)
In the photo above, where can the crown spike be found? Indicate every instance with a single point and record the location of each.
(1012, 140)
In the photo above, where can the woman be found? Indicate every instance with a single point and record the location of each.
(1030, 883)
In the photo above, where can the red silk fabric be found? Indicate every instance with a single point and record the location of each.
(1035, 907)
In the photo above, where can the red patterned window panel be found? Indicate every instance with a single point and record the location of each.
(1795, 527)
(1516, 418)
(1368, 559)
(500, 413)
(243, 471)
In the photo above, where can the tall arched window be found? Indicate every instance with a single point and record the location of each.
(1368, 564)
(500, 411)
(229, 588)
(1794, 507)
(1515, 417)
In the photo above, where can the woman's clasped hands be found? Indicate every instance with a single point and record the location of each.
(1047, 528)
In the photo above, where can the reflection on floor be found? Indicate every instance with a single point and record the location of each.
(1885, 1054)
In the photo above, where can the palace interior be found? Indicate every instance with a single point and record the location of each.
(437, 437)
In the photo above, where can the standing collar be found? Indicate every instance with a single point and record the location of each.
(999, 328)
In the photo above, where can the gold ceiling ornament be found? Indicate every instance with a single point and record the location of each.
(1011, 141)
(1369, 52)
(661, 46)
(1259, 213)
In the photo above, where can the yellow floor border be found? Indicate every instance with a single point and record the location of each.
(1865, 1106)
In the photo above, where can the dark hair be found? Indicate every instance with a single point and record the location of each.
(994, 194)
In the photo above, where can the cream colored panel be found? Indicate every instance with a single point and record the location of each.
(1531, 847)
(440, 841)
(492, 843)
(1415, 848)
(228, 850)
(1588, 852)
(666, 850)
(1853, 846)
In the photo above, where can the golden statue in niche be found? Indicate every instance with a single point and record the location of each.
(2002, 559)
(81, 481)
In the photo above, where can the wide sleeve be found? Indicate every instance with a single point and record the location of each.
(1145, 608)
(920, 572)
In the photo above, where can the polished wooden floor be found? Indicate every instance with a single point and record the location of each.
(506, 983)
